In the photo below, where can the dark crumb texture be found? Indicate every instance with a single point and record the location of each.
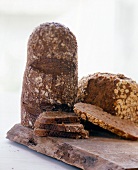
(68, 127)
(84, 134)
(97, 116)
(56, 117)
(51, 75)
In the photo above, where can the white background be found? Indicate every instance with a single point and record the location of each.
(107, 35)
(106, 31)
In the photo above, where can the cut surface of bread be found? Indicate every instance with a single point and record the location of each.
(69, 127)
(57, 117)
(97, 116)
(84, 134)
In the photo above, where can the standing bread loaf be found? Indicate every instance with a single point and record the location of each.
(51, 75)
(115, 94)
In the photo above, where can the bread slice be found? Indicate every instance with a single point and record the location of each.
(97, 116)
(69, 127)
(57, 117)
(84, 134)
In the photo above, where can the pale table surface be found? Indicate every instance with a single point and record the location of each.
(14, 156)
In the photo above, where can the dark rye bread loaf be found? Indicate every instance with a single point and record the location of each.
(96, 115)
(51, 75)
(114, 93)
(84, 134)
(56, 117)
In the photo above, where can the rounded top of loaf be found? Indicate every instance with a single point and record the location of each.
(52, 40)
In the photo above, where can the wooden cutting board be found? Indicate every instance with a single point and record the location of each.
(99, 152)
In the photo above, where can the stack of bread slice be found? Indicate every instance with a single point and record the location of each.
(59, 124)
